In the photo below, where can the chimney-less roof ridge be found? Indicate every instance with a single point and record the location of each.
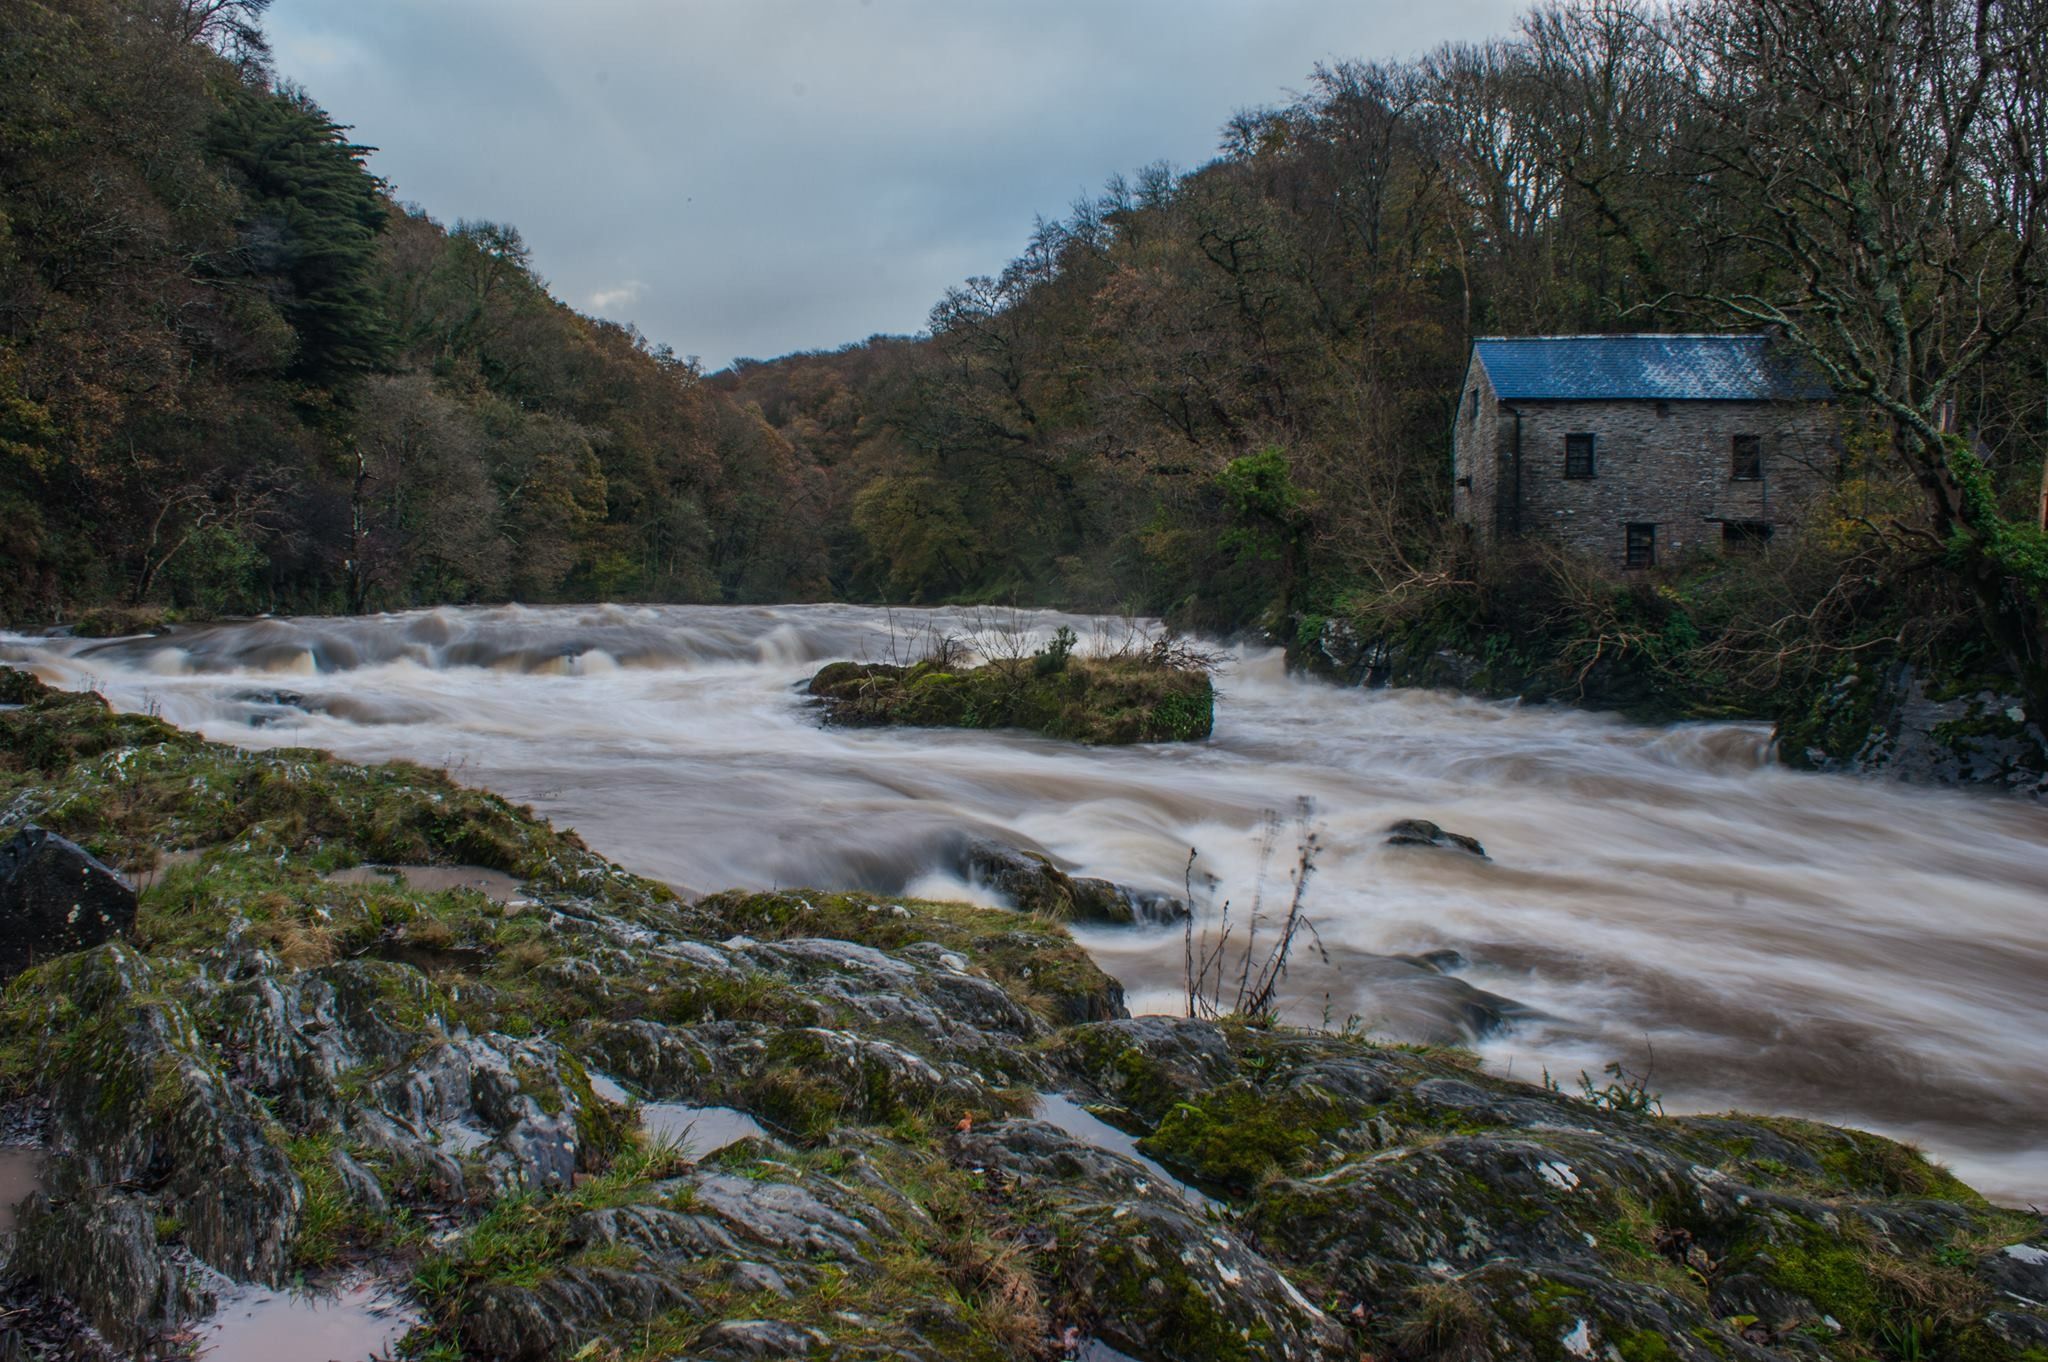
(1631, 335)
(1646, 366)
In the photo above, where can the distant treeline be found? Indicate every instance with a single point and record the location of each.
(235, 375)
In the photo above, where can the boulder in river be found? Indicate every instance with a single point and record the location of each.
(56, 898)
(1033, 884)
(1420, 832)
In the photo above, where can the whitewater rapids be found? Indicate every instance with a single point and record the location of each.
(1753, 937)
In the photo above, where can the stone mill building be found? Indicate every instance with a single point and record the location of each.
(1639, 448)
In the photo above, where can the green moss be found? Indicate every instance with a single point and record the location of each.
(604, 1130)
(1553, 1310)
(1234, 1135)
(126, 785)
(1640, 1345)
(1825, 1264)
(1137, 1080)
(1862, 1164)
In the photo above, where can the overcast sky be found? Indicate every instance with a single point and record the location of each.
(751, 177)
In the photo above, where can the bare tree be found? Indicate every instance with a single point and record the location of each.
(1880, 163)
(233, 28)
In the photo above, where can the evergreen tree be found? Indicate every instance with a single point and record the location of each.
(310, 227)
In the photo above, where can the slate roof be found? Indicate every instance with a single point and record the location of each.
(1644, 368)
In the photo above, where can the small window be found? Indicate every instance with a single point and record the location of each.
(1663, 411)
(1642, 546)
(1578, 456)
(1472, 407)
(1745, 534)
(1749, 458)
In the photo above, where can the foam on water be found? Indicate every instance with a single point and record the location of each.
(1859, 952)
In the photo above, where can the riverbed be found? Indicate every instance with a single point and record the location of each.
(1744, 935)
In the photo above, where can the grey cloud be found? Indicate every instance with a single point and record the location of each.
(752, 178)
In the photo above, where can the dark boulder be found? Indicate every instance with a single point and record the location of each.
(1420, 832)
(18, 687)
(1121, 906)
(1033, 884)
(56, 898)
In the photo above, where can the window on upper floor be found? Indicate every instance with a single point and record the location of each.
(1578, 456)
(1748, 461)
(1472, 406)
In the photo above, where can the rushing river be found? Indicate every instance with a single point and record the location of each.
(1752, 937)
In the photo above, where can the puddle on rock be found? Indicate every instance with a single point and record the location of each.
(354, 1324)
(21, 1172)
(1095, 1350)
(698, 1131)
(1085, 1126)
(494, 885)
(461, 1137)
(609, 1088)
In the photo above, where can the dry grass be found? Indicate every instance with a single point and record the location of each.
(302, 945)
(1444, 1323)
(524, 957)
(996, 1275)
(430, 932)
(1948, 1297)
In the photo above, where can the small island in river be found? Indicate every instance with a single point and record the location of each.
(1160, 693)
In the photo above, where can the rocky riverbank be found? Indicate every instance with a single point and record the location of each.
(1952, 726)
(481, 1100)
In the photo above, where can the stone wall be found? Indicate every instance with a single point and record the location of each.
(1476, 496)
(1667, 464)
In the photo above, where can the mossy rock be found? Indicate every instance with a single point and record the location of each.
(1089, 700)
(1235, 1135)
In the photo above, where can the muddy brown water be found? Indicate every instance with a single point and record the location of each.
(21, 1172)
(1754, 937)
(358, 1322)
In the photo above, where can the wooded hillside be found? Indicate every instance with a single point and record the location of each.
(236, 375)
